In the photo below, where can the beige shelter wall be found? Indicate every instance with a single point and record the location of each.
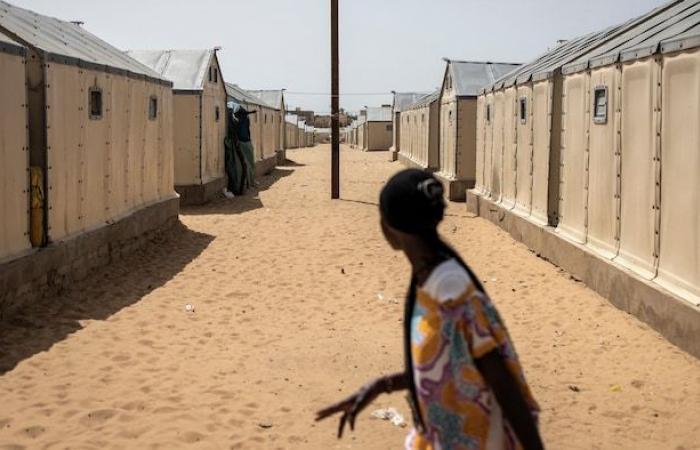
(380, 136)
(421, 153)
(213, 131)
(603, 205)
(480, 142)
(103, 169)
(397, 132)
(510, 147)
(524, 133)
(14, 158)
(541, 128)
(574, 158)
(638, 166)
(405, 130)
(434, 135)
(186, 139)
(465, 163)
(497, 151)
(488, 146)
(448, 135)
(679, 257)
(269, 131)
(361, 131)
(256, 134)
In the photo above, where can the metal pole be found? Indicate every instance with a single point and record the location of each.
(335, 104)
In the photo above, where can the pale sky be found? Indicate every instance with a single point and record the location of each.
(385, 44)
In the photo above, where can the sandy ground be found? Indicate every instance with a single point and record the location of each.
(297, 302)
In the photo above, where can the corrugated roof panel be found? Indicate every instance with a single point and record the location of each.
(379, 114)
(404, 99)
(469, 77)
(646, 28)
(273, 98)
(424, 101)
(686, 40)
(240, 95)
(187, 69)
(66, 40)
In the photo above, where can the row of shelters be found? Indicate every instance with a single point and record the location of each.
(97, 143)
(437, 131)
(298, 133)
(373, 130)
(590, 154)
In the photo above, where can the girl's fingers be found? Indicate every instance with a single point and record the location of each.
(342, 425)
(333, 409)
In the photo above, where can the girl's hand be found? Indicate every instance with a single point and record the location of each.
(351, 406)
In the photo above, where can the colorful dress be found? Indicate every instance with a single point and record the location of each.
(452, 324)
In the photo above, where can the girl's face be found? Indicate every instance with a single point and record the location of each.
(391, 236)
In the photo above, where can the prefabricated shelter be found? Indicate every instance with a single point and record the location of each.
(377, 129)
(420, 132)
(461, 85)
(399, 102)
(291, 131)
(262, 128)
(619, 189)
(99, 148)
(199, 119)
(275, 98)
(14, 151)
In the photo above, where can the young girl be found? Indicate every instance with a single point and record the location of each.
(466, 387)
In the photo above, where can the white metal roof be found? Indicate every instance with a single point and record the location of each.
(241, 96)
(67, 43)
(424, 101)
(274, 98)
(404, 99)
(187, 69)
(8, 45)
(380, 114)
(470, 77)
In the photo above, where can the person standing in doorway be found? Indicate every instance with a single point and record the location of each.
(246, 145)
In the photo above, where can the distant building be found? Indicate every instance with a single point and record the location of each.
(274, 98)
(420, 133)
(199, 106)
(400, 101)
(462, 82)
(376, 129)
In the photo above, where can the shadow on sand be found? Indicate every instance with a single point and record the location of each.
(39, 326)
(250, 201)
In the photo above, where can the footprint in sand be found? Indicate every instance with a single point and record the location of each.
(33, 432)
(98, 417)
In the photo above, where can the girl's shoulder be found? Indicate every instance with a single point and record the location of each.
(447, 282)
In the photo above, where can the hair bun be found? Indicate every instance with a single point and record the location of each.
(432, 189)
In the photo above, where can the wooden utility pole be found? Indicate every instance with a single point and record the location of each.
(335, 104)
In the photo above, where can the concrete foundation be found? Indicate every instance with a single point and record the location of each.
(456, 189)
(393, 154)
(408, 162)
(201, 193)
(675, 318)
(46, 271)
(265, 166)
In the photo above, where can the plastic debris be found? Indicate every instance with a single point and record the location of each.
(391, 415)
(229, 194)
(189, 308)
(616, 388)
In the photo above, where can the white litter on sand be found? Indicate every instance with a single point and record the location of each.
(390, 414)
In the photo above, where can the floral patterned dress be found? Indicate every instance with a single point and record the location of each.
(453, 323)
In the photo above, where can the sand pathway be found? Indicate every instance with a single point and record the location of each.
(297, 301)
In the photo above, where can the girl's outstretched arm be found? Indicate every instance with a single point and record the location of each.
(511, 400)
(353, 405)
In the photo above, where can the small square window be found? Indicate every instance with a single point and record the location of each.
(600, 105)
(95, 103)
(211, 74)
(217, 113)
(422, 118)
(153, 108)
(264, 118)
(523, 110)
(389, 128)
(488, 113)
(216, 75)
